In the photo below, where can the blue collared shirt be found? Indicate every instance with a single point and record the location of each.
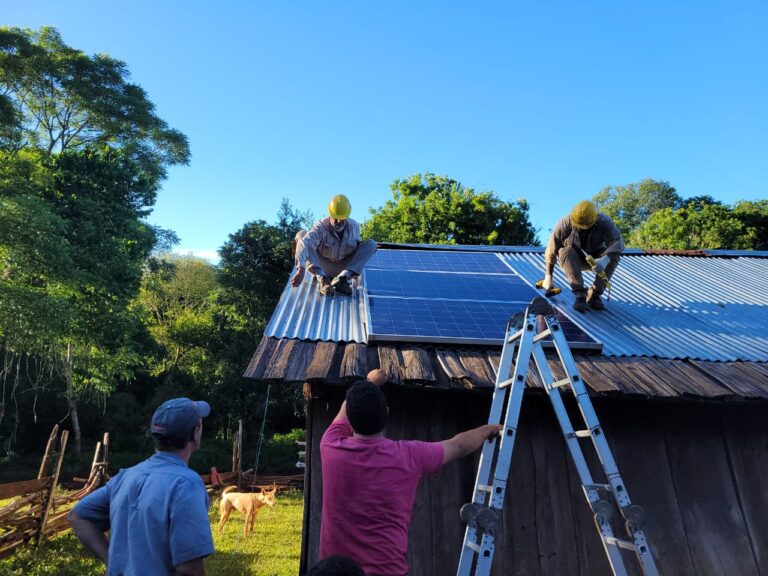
(157, 512)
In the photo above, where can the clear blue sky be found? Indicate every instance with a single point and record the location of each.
(550, 101)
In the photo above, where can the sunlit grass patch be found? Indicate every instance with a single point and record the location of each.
(272, 549)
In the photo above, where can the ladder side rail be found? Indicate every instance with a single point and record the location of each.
(616, 483)
(589, 415)
(571, 440)
(507, 444)
(517, 345)
(610, 546)
(470, 546)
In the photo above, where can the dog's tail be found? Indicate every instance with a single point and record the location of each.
(229, 489)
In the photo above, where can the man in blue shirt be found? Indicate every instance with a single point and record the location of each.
(156, 511)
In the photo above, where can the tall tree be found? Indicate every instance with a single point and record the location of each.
(631, 205)
(100, 154)
(66, 99)
(429, 209)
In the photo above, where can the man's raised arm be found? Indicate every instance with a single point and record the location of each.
(466, 443)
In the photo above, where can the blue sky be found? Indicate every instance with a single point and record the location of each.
(550, 101)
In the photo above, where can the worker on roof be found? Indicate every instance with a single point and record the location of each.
(586, 239)
(332, 250)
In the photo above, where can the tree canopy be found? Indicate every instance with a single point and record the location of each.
(702, 224)
(631, 205)
(60, 99)
(429, 209)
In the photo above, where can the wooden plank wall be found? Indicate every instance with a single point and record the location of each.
(699, 470)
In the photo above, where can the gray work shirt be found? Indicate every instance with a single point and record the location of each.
(322, 239)
(603, 239)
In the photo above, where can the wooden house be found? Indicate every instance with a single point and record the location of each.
(680, 387)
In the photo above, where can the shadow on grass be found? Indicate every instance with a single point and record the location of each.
(232, 562)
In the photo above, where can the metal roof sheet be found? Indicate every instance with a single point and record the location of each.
(703, 308)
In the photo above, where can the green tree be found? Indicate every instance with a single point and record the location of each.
(754, 216)
(429, 209)
(631, 205)
(256, 262)
(177, 294)
(95, 153)
(699, 225)
(64, 99)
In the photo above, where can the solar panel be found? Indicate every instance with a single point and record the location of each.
(452, 321)
(407, 284)
(448, 297)
(438, 261)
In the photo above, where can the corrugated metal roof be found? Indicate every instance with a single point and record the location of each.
(304, 314)
(703, 308)
(674, 306)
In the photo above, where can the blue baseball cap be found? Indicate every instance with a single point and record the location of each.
(177, 418)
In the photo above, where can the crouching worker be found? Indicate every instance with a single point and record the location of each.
(156, 511)
(332, 250)
(585, 232)
(369, 481)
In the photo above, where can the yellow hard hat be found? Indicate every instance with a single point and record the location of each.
(339, 207)
(584, 215)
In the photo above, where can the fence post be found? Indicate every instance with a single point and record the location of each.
(239, 452)
(54, 481)
(104, 458)
(43, 472)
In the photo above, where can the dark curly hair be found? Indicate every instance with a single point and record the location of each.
(366, 408)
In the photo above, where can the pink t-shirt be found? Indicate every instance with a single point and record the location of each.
(369, 485)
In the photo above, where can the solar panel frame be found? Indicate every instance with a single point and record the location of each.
(439, 261)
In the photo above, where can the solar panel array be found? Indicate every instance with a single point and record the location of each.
(448, 297)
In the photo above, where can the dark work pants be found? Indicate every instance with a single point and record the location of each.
(574, 263)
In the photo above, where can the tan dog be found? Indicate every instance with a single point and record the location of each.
(247, 503)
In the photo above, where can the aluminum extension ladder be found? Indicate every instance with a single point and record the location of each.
(483, 514)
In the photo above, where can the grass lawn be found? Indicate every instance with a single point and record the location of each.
(273, 549)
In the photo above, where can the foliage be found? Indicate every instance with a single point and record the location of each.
(429, 209)
(631, 205)
(697, 225)
(754, 217)
(82, 155)
(68, 100)
(280, 453)
(177, 293)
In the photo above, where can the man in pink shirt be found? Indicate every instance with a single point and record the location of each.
(369, 481)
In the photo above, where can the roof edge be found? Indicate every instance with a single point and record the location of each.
(540, 250)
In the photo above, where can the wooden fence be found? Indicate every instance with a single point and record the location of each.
(35, 511)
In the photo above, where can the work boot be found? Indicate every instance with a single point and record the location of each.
(342, 285)
(595, 302)
(580, 305)
(326, 287)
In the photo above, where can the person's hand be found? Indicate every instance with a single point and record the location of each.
(601, 264)
(377, 376)
(547, 284)
(297, 277)
(493, 430)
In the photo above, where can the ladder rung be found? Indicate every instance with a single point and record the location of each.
(485, 488)
(583, 433)
(542, 335)
(559, 383)
(473, 546)
(621, 543)
(506, 383)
